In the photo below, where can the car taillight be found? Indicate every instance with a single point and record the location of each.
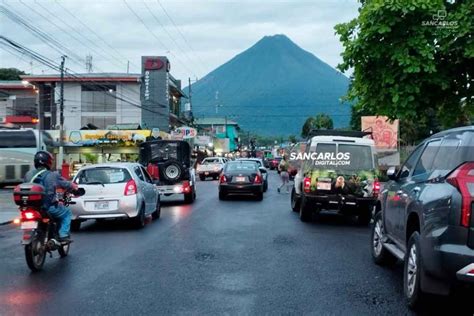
(186, 187)
(307, 185)
(222, 179)
(463, 179)
(130, 188)
(376, 188)
(30, 215)
(258, 179)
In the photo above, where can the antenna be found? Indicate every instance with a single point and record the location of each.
(89, 63)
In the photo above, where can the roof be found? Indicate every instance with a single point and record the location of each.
(104, 76)
(214, 121)
(124, 127)
(453, 130)
(15, 84)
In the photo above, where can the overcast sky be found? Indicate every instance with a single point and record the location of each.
(200, 36)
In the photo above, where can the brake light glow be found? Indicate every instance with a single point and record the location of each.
(258, 179)
(222, 179)
(30, 215)
(130, 188)
(376, 188)
(307, 185)
(186, 187)
(463, 179)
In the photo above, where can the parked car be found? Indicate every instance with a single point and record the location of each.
(241, 177)
(115, 190)
(274, 162)
(424, 216)
(169, 164)
(340, 177)
(211, 167)
(262, 169)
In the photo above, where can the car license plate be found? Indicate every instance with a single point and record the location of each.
(324, 186)
(240, 179)
(29, 225)
(101, 205)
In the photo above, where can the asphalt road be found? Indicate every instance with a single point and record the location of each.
(214, 257)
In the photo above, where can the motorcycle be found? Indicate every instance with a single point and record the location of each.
(40, 230)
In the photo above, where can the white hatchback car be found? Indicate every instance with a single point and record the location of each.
(115, 190)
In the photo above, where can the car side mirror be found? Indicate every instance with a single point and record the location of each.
(392, 173)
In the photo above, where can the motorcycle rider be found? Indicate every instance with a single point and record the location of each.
(52, 182)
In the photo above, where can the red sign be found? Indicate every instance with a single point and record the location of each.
(154, 64)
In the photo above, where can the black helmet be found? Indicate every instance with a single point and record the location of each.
(43, 159)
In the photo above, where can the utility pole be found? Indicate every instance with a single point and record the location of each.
(61, 115)
(190, 95)
(128, 66)
(89, 63)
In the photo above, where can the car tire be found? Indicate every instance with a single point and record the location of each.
(259, 196)
(202, 178)
(172, 171)
(265, 186)
(75, 225)
(157, 213)
(222, 196)
(140, 219)
(380, 255)
(306, 213)
(412, 272)
(295, 201)
(364, 217)
(189, 197)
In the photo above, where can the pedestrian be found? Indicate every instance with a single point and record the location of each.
(284, 176)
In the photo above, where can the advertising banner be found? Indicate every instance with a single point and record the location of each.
(202, 140)
(384, 133)
(186, 132)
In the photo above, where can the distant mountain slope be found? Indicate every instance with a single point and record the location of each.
(271, 88)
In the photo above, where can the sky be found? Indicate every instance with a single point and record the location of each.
(197, 36)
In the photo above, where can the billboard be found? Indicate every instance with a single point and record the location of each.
(154, 92)
(384, 132)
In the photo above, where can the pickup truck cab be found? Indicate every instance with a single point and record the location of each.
(211, 167)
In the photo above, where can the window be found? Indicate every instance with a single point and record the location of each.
(425, 163)
(17, 139)
(104, 175)
(360, 157)
(454, 150)
(100, 121)
(99, 98)
(139, 173)
(147, 176)
(410, 162)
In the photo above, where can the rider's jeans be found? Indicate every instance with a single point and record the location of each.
(63, 215)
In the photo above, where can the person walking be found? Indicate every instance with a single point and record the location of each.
(284, 176)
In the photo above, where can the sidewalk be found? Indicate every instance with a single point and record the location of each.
(8, 209)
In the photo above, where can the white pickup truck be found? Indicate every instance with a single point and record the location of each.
(211, 167)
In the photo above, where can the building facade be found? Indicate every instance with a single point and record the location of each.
(18, 103)
(221, 128)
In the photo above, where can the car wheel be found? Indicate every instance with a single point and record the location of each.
(222, 195)
(412, 273)
(75, 225)
(139, 220)
(265, 186)
(363, 219)
(295, 201)
(380, 255)
(259, 196)
(306, 213)
(202, 178)
(157, 213)
(189, 197)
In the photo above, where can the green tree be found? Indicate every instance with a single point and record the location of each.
(320, 121)
(10, 74)
(292, 139)
(403, 66)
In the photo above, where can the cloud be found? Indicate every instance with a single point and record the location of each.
(215, 30)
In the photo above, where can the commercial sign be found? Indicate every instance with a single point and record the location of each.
(186, 132)
(154, 92)
(105, 137)
(384, 133)
(202, 140)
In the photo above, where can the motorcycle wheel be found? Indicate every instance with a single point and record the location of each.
(35, 254)
(64, 250)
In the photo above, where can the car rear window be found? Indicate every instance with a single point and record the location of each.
(241, 166)
(255, 161)
(347, 157)
(103, 175)
(209, 161)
